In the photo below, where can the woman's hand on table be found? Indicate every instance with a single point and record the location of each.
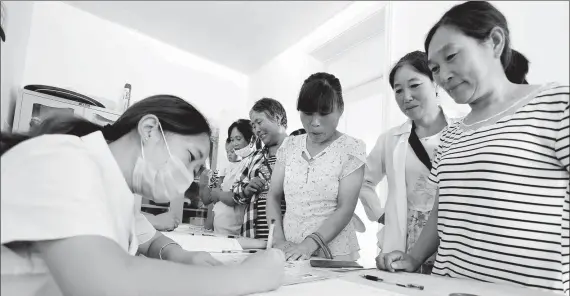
(302, 251)
(397, 261)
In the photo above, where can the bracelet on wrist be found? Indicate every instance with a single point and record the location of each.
(163, 247)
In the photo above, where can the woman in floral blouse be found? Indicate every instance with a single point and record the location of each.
(319, 174)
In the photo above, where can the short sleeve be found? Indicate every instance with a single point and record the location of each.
(283, 150)
(143, 228)
(52, 189)
(356, 156)
(434, 173)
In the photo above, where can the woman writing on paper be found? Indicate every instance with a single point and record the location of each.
(502, 213)
(319, 174)
(68, 215)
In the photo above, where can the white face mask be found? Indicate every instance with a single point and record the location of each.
(164, 184)
(245, 151)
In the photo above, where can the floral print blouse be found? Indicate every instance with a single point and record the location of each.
(311, 187)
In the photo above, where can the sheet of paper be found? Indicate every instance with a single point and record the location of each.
(330, 287)
(230, 259)
(189, 228)
(203, 243)
(298, 272)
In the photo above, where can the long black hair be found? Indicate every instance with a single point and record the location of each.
(175, 115)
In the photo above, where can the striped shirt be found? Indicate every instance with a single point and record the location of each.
(259, 164)
(503, 195)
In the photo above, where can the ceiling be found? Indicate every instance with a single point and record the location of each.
(242, 35)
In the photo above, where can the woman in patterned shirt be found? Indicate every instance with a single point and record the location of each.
(319, 174)
(269, 122)
(502, 172)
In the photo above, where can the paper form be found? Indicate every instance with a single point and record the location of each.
(230, 259)
(203, 243)
(298, 272)
(330, 287)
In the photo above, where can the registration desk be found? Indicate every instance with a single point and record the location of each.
(351, 283)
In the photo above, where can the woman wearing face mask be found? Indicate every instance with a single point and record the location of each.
(269, 123)
(403, 155)
(319, 174)
(68, 210)
(502, 171)
(228, 219)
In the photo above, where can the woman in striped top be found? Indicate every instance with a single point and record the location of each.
(502, 172)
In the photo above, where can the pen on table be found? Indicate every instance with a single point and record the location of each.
(214, 235)
(237, 251)
(270, 236)
(377, 279)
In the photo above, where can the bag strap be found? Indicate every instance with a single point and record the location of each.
(419, 148)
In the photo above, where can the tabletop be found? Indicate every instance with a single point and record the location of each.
(354, 284)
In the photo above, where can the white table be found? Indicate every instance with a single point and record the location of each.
(433, 285)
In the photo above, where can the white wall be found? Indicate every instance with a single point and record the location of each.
(17, 23)
(73, 49)
(281, 79)
(283, 76)
(539, 30)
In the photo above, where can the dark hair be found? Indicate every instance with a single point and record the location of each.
(175, 115)
(518, 68)
(244, 127)
(300, 131)
(228, 140)
(476, 19)
(417, 59)
(273, 109)
(321, 92)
